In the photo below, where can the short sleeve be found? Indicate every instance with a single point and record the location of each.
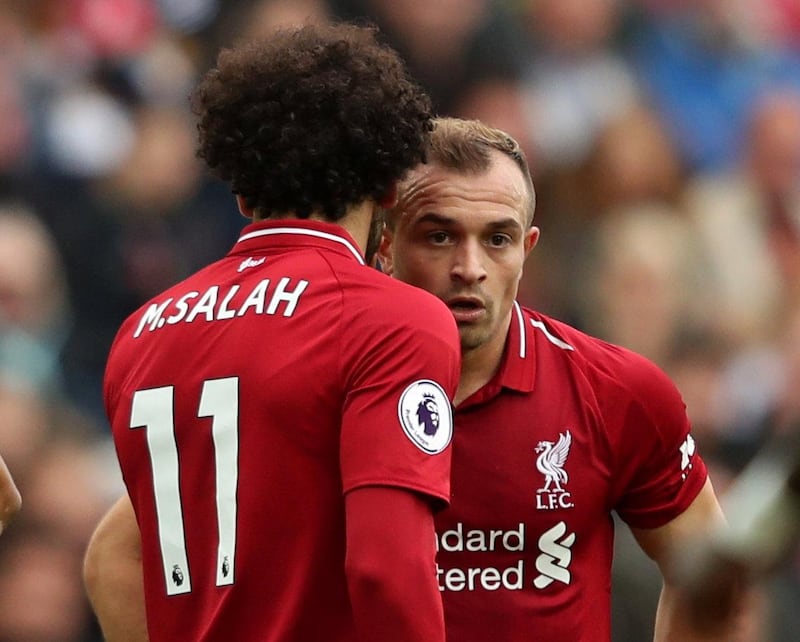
(659, 471)
(397, 422)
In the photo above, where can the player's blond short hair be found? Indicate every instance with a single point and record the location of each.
(466, 146)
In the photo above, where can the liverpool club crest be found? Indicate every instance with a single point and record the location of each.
(550, 460)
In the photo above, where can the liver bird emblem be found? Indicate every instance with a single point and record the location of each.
(550, 462)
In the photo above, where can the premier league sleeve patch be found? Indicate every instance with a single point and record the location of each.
(426, 416)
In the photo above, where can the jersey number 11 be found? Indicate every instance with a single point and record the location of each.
(153, 410)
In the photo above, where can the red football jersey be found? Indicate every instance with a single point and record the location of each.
(570, 429)
(246, 401)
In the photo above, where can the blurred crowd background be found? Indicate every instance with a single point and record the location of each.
(664, 138)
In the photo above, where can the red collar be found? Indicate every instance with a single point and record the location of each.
(518, 367)
(296, 232)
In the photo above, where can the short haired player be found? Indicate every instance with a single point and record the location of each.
(554, 429)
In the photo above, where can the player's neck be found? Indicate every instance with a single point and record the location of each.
(479, 365)
(357, 223)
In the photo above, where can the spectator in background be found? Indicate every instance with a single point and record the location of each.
(501, 100)
(614, 172)
(124, 235)
(63, 475)
(40, 599)
(702, 64)
(611, 179)
(264, 16)
(35, 317)
(170, 219)
(32, 303)
(448, 43)
(642, 281)
(576, 78)
(25, 423)
(754, 505)
(747, 221)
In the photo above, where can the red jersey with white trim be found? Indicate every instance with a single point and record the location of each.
(570, 429)
(246, 401)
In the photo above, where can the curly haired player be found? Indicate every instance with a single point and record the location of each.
(264, 410)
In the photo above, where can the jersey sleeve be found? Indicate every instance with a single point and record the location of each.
(403, 368)
(659, 472)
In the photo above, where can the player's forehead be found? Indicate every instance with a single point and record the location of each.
(499, 191)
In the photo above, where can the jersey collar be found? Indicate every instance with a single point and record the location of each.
(296, 232)
(518, 368)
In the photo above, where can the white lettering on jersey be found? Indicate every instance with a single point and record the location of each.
(182, 305)
(687, 449)
(555, 557)
(250, 262)
(488, 578)
(217, 305)
(476, 540)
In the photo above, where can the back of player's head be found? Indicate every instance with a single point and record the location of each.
(466, 146)
(311, 119)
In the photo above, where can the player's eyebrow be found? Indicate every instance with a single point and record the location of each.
(505, 223)
(441, 219)
(433, 217)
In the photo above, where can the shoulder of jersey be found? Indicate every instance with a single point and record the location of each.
(626, 367)
(399, 295)
(416, 301)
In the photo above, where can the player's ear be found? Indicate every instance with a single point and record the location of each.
(384, 253)
(244, 209)
(531, 239)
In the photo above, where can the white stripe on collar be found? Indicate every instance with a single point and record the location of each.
(305, 232)
(521, 323)
(550, 337)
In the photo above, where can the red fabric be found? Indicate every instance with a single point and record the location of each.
(525, 556)
(297, 353)
(390, 559)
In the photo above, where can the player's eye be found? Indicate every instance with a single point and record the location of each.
(499, 240)
(439, 237)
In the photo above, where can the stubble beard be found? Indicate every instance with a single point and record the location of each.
(473, 336)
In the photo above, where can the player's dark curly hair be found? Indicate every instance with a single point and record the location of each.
(311, 119)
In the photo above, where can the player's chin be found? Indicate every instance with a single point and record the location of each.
(472, 337)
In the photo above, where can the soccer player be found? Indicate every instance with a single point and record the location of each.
(554, 429)
(10, 500)
(282, 417)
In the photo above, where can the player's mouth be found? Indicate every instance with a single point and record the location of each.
(466, 309)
